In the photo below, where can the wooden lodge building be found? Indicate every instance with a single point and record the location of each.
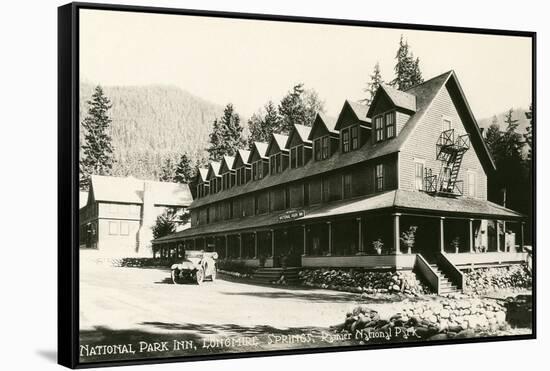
(342, 192)
(118, 214)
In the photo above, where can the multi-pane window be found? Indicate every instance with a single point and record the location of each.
(347, 185)
(326, 148)
(317, 149)
(276, 164)
(296, 156)
(471, 184)
(257, 170)
(419, 175)
(354, 137)
(390, 124)
(379, 177)
(300, 158)
(379, 128)
(345, 140)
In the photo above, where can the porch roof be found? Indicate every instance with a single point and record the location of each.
(397, 200)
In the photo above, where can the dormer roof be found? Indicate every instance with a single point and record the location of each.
(355, 109)
(202, 174)
(241, 158)
(213, 170)
(322, 123)
(227, 164)
(298, 134)
(399, 99)
(277, 144)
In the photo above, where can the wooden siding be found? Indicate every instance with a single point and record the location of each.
(486, 258)
(421, 145)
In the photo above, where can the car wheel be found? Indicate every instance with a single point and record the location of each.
(200, 276)
(176, 278)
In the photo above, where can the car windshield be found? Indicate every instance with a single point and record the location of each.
(193, 254)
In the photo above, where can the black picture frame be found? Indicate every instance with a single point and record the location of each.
(68, 197)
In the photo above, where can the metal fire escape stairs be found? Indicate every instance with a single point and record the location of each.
(450, 150)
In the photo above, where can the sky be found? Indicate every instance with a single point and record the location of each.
(248, 62)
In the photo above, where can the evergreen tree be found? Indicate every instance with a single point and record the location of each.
(407, 68)
(184, 172)
(97, 149)
(167, 171)
(511, 140)
(493, 139)
(263, 123)
(298, 106)
(372, 85)
(226, 136)
(164, 225)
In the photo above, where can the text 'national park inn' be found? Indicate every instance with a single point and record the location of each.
(342, 192)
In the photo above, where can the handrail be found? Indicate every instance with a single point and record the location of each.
(423, 267)
(454, 274)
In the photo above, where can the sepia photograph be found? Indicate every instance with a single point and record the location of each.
(251, 185)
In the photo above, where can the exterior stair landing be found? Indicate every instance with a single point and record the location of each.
(287, 276)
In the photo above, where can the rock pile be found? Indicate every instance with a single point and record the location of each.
(432, 320)
(364, 281)
(484, 280)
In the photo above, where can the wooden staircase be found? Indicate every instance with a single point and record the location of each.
(439, 273)
(275, 275)
(445, 285)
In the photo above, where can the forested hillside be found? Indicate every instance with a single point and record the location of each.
(518, 114)
(152, 123)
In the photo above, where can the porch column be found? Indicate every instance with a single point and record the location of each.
(240, 245)
(304, 228)
(255, 245)
(522, 235)
(273, 243)
(396, 240)
(360, 234)
(471, 224)
(225, 243)
(498, 235)
(442, 234)
(329, 224)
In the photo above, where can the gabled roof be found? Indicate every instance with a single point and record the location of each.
(359, 110)
(400, 99)
(227, 164)
(213, 169)
(301, 131)
(260, 148)
(278, 141)
(130, 190)
(424, 94)
(202, 173)
(328, 123)
(241, 157)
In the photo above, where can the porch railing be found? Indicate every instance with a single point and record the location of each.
(422, 267)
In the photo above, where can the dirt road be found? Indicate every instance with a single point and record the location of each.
(130, 305)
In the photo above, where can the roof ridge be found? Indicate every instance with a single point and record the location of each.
(451, 71)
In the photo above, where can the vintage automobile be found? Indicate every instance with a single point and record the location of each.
(196, 267)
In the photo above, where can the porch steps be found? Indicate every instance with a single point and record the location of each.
(273, 275)
(445, 284)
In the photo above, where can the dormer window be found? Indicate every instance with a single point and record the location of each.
(384, 126)
(345, 140)
(379, 128)
(350, 138)
(275, 164)
(241, 175)
(321, 147)
(390, 125)
(297, 156)
(257, 170)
